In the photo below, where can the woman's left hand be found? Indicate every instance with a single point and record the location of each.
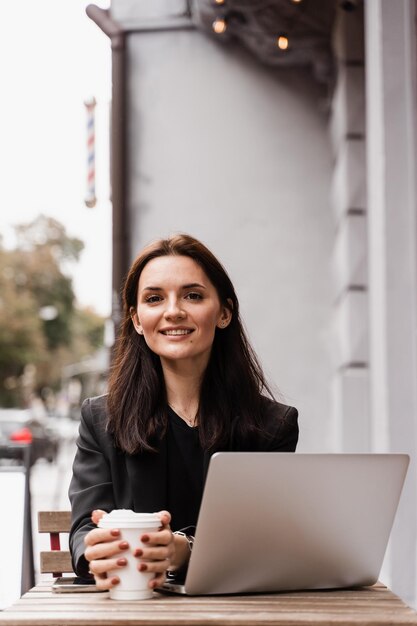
(159, 551)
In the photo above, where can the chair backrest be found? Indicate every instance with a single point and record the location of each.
(55, 561)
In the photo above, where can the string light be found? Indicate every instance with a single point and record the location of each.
(219, 25)
(282, 42)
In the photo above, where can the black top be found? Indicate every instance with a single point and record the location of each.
(185, 471)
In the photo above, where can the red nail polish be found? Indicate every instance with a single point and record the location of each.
(115, 532)
(138, 552)
(123, 545)
(144, 538)
(143, 567)
(115, 581)
(121, 561)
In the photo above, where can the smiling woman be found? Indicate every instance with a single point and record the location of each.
(185, 384)
(178, 317)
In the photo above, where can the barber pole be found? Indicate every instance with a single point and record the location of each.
(90, 198)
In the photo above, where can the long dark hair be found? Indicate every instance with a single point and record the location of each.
(232, 384)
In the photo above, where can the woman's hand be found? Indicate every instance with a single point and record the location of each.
(103, 548)
(160, 551)
(157, 551)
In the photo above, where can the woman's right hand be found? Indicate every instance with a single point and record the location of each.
(103, 548)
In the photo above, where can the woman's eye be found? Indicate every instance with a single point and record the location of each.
(193, 295)
(153, 299)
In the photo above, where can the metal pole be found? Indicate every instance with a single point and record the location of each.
(118, 150)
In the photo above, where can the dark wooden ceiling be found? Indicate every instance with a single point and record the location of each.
(257, 25)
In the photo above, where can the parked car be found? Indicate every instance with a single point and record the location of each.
(18, 426)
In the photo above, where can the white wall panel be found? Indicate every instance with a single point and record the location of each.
(352, 398)
(137, 13)
(349, 179)
(353, 328)
(350, 259)
(348, 105)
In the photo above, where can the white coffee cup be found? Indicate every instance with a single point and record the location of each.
(133, 584)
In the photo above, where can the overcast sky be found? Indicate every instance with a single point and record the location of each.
(53, 58)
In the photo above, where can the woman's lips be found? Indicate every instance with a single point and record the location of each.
(176, 332)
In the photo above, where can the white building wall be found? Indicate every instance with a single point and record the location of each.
(238, 155)
(392, 198)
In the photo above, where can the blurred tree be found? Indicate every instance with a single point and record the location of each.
(46, 231)
(40, 324)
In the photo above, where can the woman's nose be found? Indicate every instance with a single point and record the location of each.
(174, 310)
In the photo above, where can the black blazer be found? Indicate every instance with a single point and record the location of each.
(106, 478)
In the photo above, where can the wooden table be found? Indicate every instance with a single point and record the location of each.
(367, 606)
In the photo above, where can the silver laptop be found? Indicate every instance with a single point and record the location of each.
(281, 521)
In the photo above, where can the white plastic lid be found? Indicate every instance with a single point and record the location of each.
(125, 518)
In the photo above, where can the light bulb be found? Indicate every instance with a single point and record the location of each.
(219, 26)
(282, 42)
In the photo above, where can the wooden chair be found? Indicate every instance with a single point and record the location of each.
(55, 561)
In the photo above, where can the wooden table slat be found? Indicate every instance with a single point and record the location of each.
(370, 606)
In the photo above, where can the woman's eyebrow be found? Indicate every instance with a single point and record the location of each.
(188, 286)
(192, 285)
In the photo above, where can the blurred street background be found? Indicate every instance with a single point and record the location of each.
(49, 484)
(55, 247)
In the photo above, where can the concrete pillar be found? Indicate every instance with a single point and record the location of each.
(391, 156)
(348, 196)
